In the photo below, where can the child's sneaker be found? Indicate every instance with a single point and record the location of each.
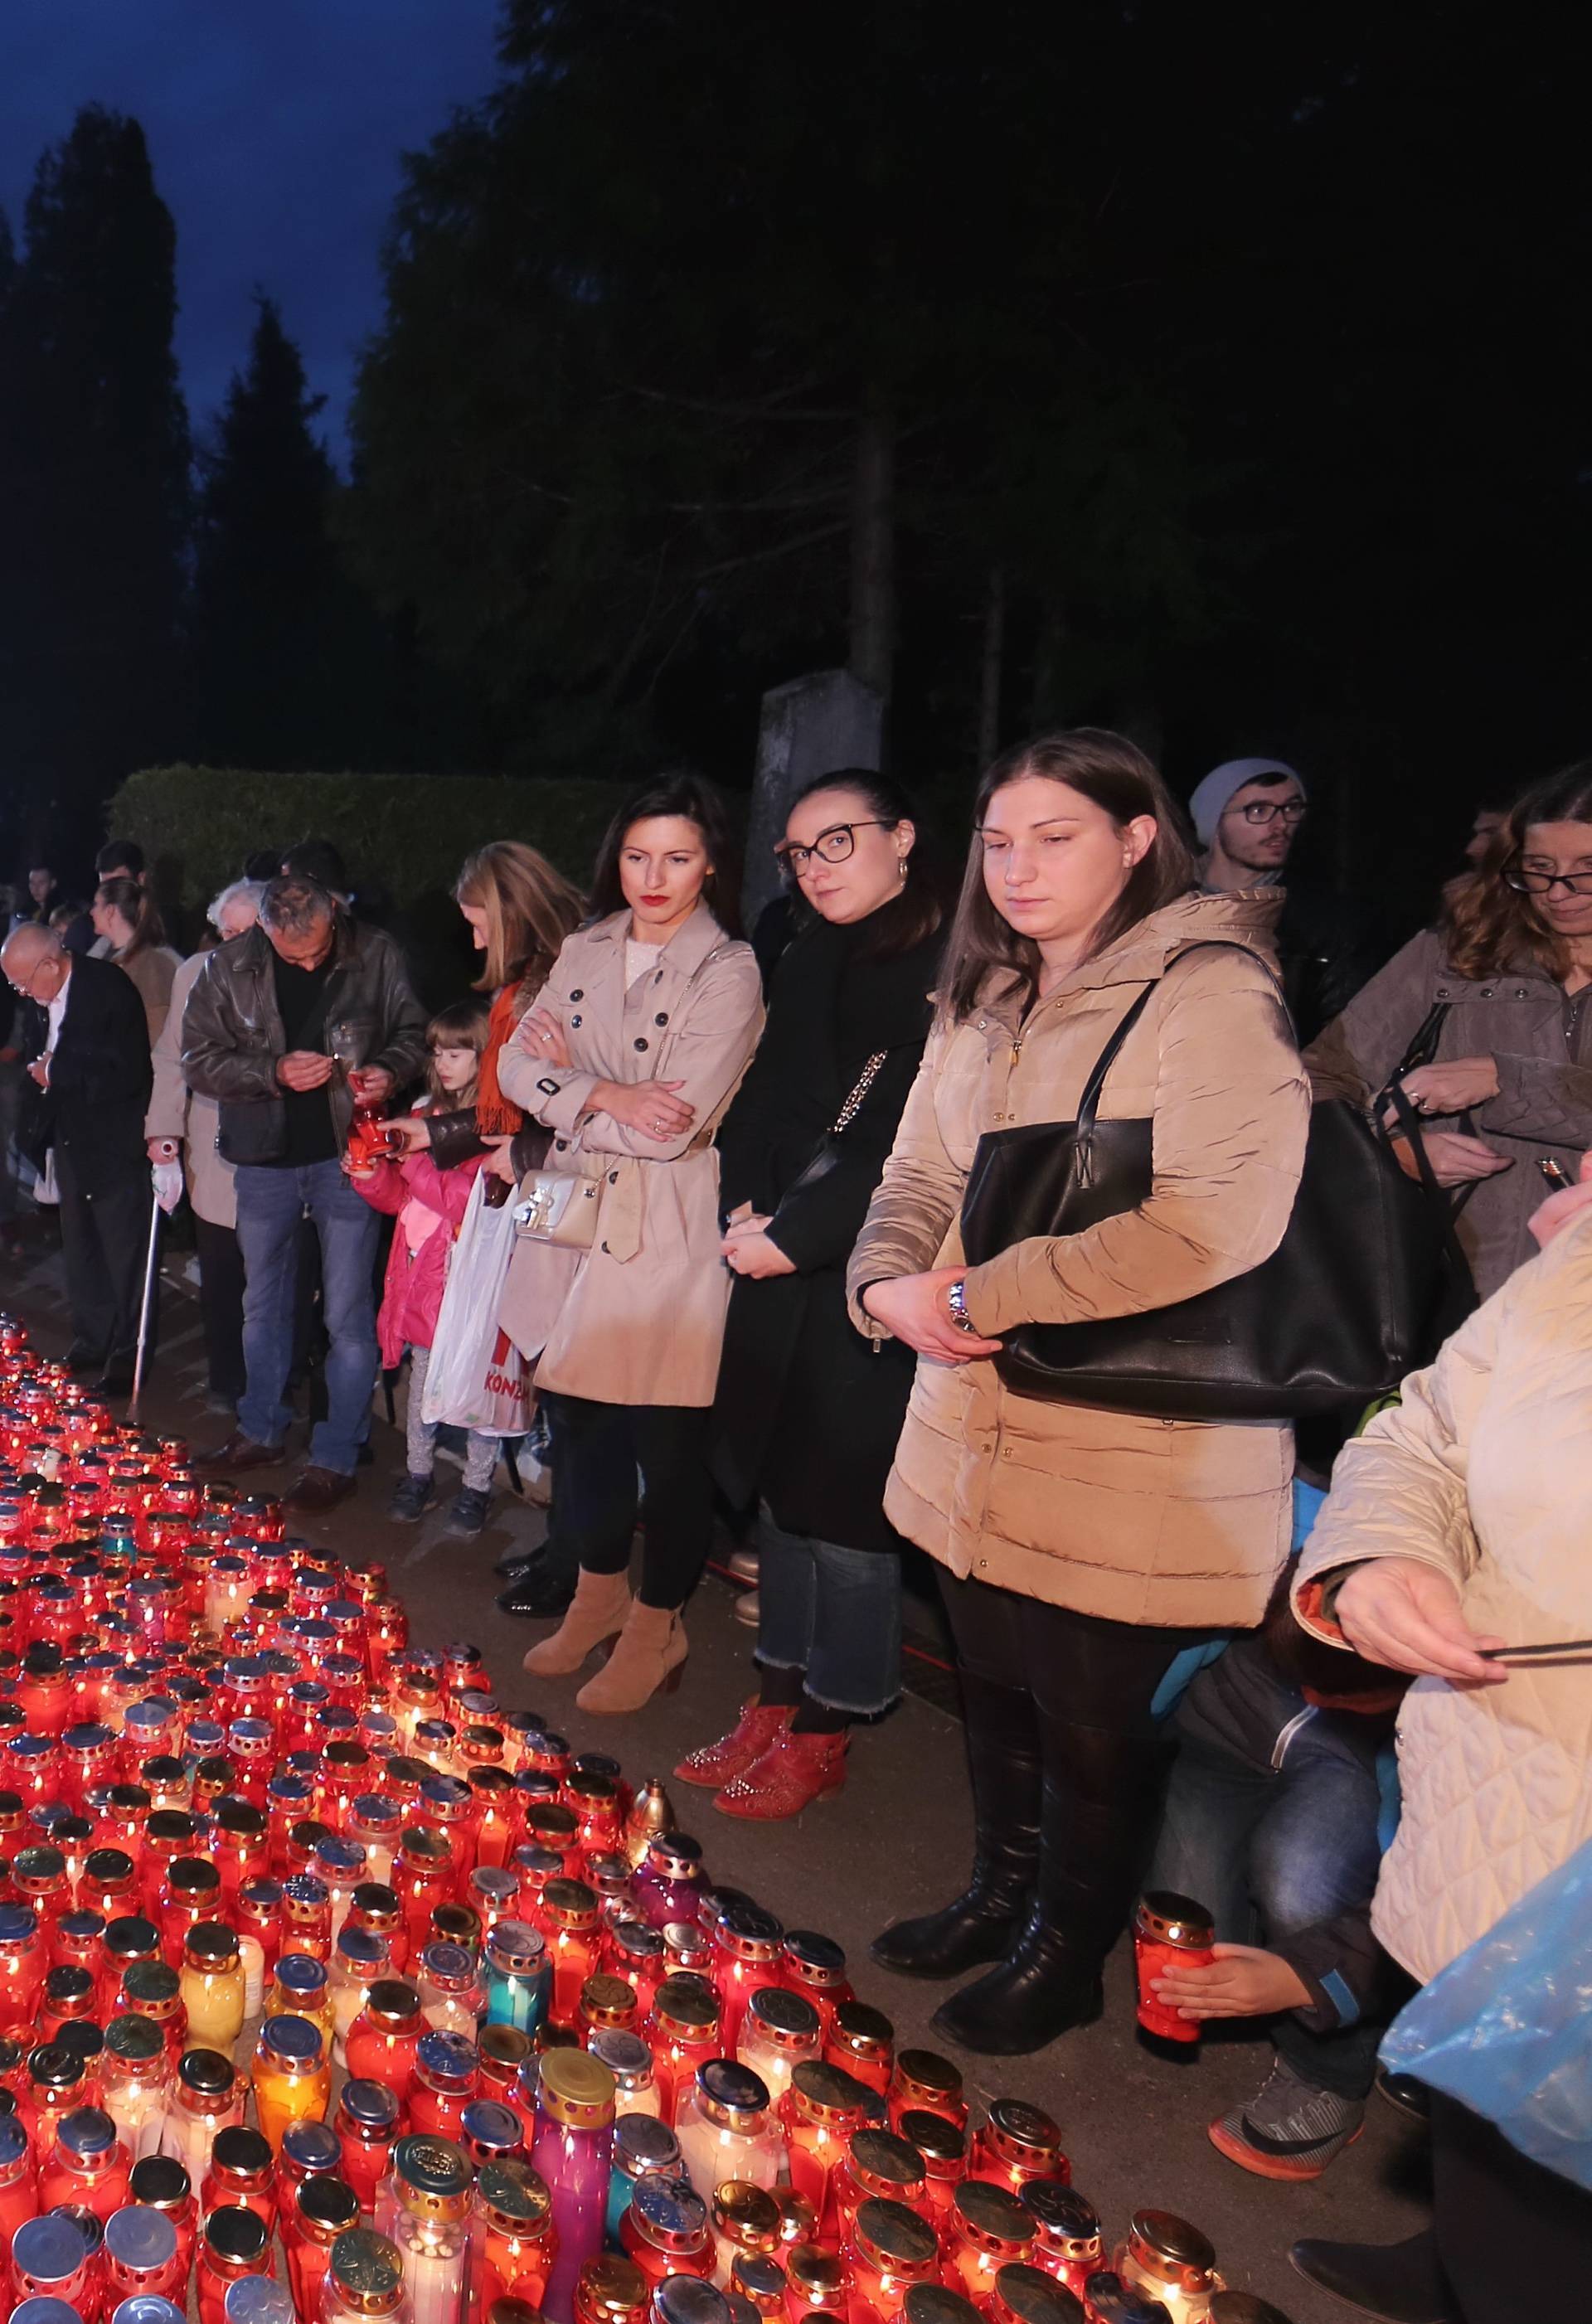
(468, 1514)
(414, 1498)
(1289, 2129)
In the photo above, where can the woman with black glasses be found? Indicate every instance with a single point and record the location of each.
(1502, 988)
(806, 1417)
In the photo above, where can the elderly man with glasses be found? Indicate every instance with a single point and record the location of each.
(1247, 814)
(86, 1051)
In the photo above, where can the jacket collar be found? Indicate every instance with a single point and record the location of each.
(1244, 916)
(685, 952)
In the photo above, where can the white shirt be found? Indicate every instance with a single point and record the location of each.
(640, 960)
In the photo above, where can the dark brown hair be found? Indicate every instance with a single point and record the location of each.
(461, 1026)
(697, 801)
(918, 911)
(137, 908)
(1116, 776)
(1487, 927)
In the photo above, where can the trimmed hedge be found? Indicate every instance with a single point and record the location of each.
(403, 837)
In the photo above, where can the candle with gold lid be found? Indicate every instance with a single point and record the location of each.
(748, 1941)
(572, 2149)
(878, 2162)
(987, 2229)
(630, 2061)
(424, 2206)
(820, 2111)
(211, 1986)
(745, 2221)
(889, 2249)
(684, 2034)
(922, 2081)
(323, 2209)
(1168, 2259)
(862, 2040)
(364, 2278)
(1028, 2295)
(512, 2245)
(610, 2290)
(779, 2031)
(1016, 2143)
(814, 2282)
(813, 1964)
(1067, 2244)
(665, 2230)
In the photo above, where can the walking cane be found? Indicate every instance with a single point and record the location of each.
(146, 1313)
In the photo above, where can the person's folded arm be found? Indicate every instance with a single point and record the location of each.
(1231, 1114)
(1543, 1099)
(917, 1198)
(714, 1032)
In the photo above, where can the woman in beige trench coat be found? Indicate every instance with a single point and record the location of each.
(629, 1058)
(1082, 1550)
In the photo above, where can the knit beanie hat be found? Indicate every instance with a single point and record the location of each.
(1211, 799)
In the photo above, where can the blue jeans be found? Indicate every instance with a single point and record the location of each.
(832, 1613)
(1271, 1850)
(271, 1204)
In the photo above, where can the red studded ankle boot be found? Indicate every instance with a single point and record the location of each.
(721, 1762)
(794, 1772)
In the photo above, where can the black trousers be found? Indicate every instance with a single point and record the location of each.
(221, 1306)
(599, 1449)
(1514, 2239)
(1082, 1688)
(103, 1238)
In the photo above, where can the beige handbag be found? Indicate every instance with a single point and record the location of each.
(559, 1206)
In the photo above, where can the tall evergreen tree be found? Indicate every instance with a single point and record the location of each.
(266, 580)
(93, 465)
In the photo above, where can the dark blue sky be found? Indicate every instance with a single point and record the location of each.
(275, 127)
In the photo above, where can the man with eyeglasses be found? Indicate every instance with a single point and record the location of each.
(1247, 814)
(87, 1067)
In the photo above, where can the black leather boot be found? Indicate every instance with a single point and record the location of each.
(1397, 2283)
(1003, 1762)
(1099, 1796)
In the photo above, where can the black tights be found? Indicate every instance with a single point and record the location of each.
(601, 1448)
(1081, 1688)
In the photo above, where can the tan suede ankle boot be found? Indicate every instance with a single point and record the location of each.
(651, 1654)
(597, 1611)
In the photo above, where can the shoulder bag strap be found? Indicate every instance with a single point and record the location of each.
(1089, 1101)
(864, 1082)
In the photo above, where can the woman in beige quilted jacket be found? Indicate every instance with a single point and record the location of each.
(1457, 1523)
(1081, 1550)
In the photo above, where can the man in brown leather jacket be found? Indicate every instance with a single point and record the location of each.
(288, 1027)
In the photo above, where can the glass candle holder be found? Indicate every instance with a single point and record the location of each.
(233, 2242)
(152, 1990)
(745, 2225)
(212, 1987)
(1167, 2258)
(607, 2004)
(206, 2097)
(160, 2183)
(862, 2040)
(140, 2257)
(23, 1964)
(292, 2075)
(822, 2111)
(302, 1987)
(323, 2209)
(665, 2231)
(369, 2120)
(423, 1876)
(521, 1978)
(921, 2081)
(630, 2061)
(878, 2162)
(135, 2074)
(669, 1878)
(888, 2250)
(1169, 1932)
(385, 2037)
(376, 1909)
(634, 1951)
(1067, 2241)
(87, 2164)
(446, 2069)
(452, 2001)
(512, 2243)
(1017, 2142)
(643, 2146)
(424, 2207)
(50, 2260)
(814, 2283)
(748, 1943)
(358, 1960)
(570, 1916)
(571, 2153)
(815, 1965)
(309, 2149)
(373, 1820)
(19, 2180)
(1028, 2295)
(611, 2290)
(725, 2126)
(683, 2033)
(242, 2171)
(987, 2229)
(56, 2081)
(780, 2030)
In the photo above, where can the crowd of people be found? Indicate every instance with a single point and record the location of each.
(684, 1213)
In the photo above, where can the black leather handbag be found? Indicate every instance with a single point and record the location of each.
(1347, 1303)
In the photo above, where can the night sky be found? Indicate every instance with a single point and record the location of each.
(275, 128)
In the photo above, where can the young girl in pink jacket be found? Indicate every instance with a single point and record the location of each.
(429, 1204)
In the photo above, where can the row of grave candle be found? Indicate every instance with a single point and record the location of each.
(575, 2080)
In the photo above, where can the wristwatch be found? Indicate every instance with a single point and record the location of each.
(956, 1300)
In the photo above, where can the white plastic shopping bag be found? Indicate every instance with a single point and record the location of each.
(477, 1378)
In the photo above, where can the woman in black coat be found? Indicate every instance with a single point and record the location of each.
(807, 1415)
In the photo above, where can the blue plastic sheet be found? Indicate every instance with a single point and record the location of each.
(1506, 2028)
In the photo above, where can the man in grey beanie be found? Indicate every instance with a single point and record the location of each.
(1247, 814)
